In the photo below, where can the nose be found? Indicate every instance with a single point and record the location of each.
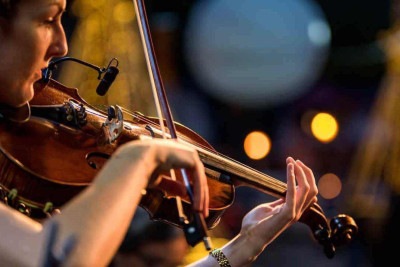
(59, 46)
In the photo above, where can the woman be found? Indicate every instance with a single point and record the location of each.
(31, 35)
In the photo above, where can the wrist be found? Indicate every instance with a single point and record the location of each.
(242, 250)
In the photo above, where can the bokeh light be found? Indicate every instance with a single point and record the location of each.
(329, 186)
(324, 127)
(257, 145)
(256, 53)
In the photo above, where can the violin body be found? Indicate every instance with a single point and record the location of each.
(53, 155)
(52, 148)
(50, 158)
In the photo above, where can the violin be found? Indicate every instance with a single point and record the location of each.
(49, 158)
(53, 147)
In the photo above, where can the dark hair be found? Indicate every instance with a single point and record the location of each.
(7, 7)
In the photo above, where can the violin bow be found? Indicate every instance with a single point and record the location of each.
(195, 228)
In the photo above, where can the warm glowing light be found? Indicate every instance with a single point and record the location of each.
(324, 127)
(257, 145)
(124, 12)
(329, 186)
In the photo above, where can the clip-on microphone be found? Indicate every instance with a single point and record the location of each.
(110, 71)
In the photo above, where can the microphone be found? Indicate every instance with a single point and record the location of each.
(107, 80)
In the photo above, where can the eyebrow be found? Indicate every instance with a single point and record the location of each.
(57, 3)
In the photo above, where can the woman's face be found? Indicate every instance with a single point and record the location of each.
(28, 41)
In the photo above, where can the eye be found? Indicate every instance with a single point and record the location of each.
(49, 21)
(52, 18)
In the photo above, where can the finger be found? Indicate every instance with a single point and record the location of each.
(311, 181)
(314, 200)
(290, 160)
(206, 199)
(181, 156)
(303, 188)
(277, 219)
(276, 203)
(291, 189)
(200, 188)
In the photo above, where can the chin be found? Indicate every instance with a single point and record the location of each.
(21, 104)
(24, 98)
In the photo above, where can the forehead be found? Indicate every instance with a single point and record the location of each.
(42, 3)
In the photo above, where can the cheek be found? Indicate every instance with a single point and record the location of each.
(18, 84)
(20, 93)
(33, 56)
(33, 46)
(23, 55)
(23, 59)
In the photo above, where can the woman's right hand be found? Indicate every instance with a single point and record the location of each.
(158, 157)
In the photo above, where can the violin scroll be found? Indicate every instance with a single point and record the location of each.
(339, 231)
(342, 230)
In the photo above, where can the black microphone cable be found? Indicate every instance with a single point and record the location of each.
(110, 72)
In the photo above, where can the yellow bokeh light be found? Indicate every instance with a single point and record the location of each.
(324, 127)
(124, 12)
(329, 186)
(257, 145)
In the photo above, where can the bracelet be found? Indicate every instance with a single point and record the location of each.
(220, 257)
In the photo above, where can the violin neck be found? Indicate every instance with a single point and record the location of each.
(220, 167)
(241, 174)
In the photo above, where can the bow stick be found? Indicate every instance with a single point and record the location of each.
(195, 229)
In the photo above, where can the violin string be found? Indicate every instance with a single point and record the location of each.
(278, 185)
(226, 162)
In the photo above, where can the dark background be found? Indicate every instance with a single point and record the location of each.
(347, 88)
